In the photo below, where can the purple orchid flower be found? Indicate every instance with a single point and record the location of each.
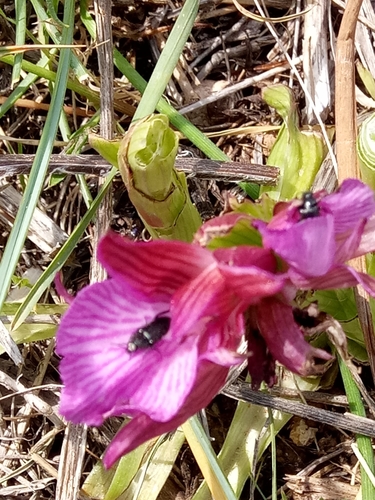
(112, 366)
(317, 235)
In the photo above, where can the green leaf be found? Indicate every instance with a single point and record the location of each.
(242, 233)
(339, 303)
(297, 153)
(367, 79)
(366, 150)
(261, 209)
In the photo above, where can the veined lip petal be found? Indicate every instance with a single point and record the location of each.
(210, 379)
(99, 326)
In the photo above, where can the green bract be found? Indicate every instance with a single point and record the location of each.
(366, 150)
(297, 153)
(146, 157)
(158, 192)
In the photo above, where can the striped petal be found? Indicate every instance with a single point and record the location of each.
(210, 380)
(354, 201)
(157, 267)
(101, 376)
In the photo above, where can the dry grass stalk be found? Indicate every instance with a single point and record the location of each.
(346, 137)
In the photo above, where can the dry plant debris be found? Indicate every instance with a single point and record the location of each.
(216, 84)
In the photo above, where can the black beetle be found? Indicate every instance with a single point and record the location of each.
(149, 334)
(309, 207)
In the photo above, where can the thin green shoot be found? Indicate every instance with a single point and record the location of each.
(38, 171)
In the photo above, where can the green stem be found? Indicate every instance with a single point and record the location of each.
(363, 442)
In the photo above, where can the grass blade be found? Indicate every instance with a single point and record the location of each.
(59, 260)
(38, 171)
(20, 6)
(168, 59)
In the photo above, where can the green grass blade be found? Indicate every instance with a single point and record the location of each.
(21, 88)
(74, 85)
(55, 34)
(59, 260)
(38, 171)
(168, 59)
(364, 443)
(207, 460)
(20, 6)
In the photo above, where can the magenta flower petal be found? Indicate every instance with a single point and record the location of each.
(245, 256)
(368, 282)
(341, 228)
(347, 243)
(157, 267)
(285, 340)
(222, 341)
(367, 243)
(351, 203)
(210, 380)
(250, 272)
(339, 277)
(61, 290)
(93, 341)
(200, 300)
(301, 244)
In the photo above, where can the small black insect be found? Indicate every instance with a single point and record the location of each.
(149, 334)
(309, 207)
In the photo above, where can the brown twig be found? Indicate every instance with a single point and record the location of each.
(346, 136)
(193, 167)
(28, 103)
(105, 60)
(360, 425)
(345, 107)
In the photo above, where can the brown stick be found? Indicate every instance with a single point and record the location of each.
(193, 167)
(241, 392)
(346, 136)
(345, 107)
